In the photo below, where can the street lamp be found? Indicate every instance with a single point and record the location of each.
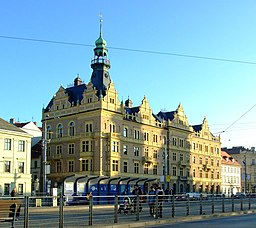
(245, 174)
(164, 158)
(45, 156)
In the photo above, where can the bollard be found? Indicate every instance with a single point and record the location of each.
(201, 204)
(137, 208)
(156, 207)
(223, 203)
(188, 205)
(61, 215)
(212, 203)
(242, 208)
(26, 212)
(173, 206)
(249, 201)
(90, 210)
(116, 209)
(233, 205)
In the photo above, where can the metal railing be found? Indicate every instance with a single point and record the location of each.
(109, 210)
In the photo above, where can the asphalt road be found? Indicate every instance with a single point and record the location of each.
(242, 221)
(77, 216)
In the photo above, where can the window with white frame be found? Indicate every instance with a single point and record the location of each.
(7, 144)
(21, 145)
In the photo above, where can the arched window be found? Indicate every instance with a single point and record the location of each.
(49, 132)
(59, 131)
(71, 129)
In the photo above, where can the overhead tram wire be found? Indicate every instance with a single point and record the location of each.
(232, 124)
(130, 49)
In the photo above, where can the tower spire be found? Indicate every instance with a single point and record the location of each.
(100, 15)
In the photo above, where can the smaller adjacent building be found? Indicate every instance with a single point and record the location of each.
(15, 156)
(230, 174)
(36, 151)
(246, 157)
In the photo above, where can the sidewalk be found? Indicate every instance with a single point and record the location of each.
(174, 220)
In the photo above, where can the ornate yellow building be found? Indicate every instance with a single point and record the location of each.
(89, 131)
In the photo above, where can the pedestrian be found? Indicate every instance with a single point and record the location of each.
(137, 191)
(160, 195)
(152, 201)
(167, 193)
(14, 193)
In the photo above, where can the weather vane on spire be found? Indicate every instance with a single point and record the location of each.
(100, 22)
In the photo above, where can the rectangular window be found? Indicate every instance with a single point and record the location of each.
(115, 165)
(155, 154)
(125, 167)
(136, 134)
(136, 151)
(200, 173)
(125, 149)
(212, 174)
(155, 170)
(155, 138)
(181, 157)
(71, 166)
(6, 189)
(136, 167)
(174, 156)
(88, 127)
(7, 144)
(35, 164)
(174, 171)
(115, 146)
(21, 145)
(181, 172)
(71, 148)
(146, 168)
(7, 166)
(181, 143)
(146, 152)
(20, 189)
(146, 136)
(125, 132)
(58, 166)
(87, 165)
(21, 167)
(87, 146)
(174, 141)
(58, 149)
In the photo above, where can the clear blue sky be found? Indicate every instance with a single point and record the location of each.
(221, 91)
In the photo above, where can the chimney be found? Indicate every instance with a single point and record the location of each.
(12, 121)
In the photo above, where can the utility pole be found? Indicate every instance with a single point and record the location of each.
(164, 158)
(245, 174)
(44, 157)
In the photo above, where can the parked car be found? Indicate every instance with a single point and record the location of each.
(240, 195)
(193, 195)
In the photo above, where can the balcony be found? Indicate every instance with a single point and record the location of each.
(56, 156)
(146, 159)
(206, 167)
(100, 61)
(182, 163)
(182, 178)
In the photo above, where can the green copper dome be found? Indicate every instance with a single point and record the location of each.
(100, 42)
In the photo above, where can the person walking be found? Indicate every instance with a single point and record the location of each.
(137, 191)
(160, 195)
(14, 193)
(152, 201)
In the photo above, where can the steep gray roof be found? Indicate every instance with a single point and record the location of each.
(4, 125)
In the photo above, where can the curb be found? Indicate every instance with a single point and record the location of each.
(176, 220)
